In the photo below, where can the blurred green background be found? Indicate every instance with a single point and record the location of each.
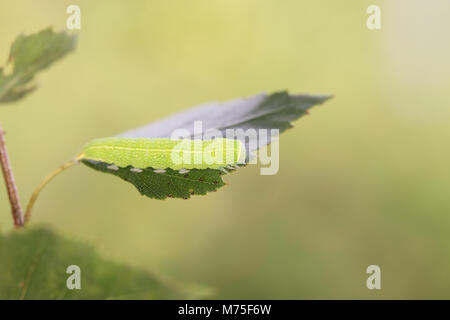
(363, 179)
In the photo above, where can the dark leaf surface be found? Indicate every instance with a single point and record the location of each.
(261, 111)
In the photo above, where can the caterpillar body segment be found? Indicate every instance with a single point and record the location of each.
(163, 153)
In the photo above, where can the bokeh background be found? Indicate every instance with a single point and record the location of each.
(364, 179)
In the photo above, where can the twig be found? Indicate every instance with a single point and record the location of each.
(13, 195)
(43, 183)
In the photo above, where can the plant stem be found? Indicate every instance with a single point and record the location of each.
(43, 183)
(13, 195)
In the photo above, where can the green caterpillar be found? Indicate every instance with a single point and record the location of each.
(161, 153)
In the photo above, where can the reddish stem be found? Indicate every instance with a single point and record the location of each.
(13, 195)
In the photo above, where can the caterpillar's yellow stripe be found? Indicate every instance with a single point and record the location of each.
(162, 153)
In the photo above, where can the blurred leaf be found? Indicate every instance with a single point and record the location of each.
(33, 265)
(275, 111)
(170, 184)
(29, 54)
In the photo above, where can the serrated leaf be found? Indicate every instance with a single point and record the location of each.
(170, 184)
(30, 54)
(262, 111)
(33, 265)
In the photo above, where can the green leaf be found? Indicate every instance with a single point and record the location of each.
(33, 265)
(170, 184)
(28, 55)
(274, 111)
